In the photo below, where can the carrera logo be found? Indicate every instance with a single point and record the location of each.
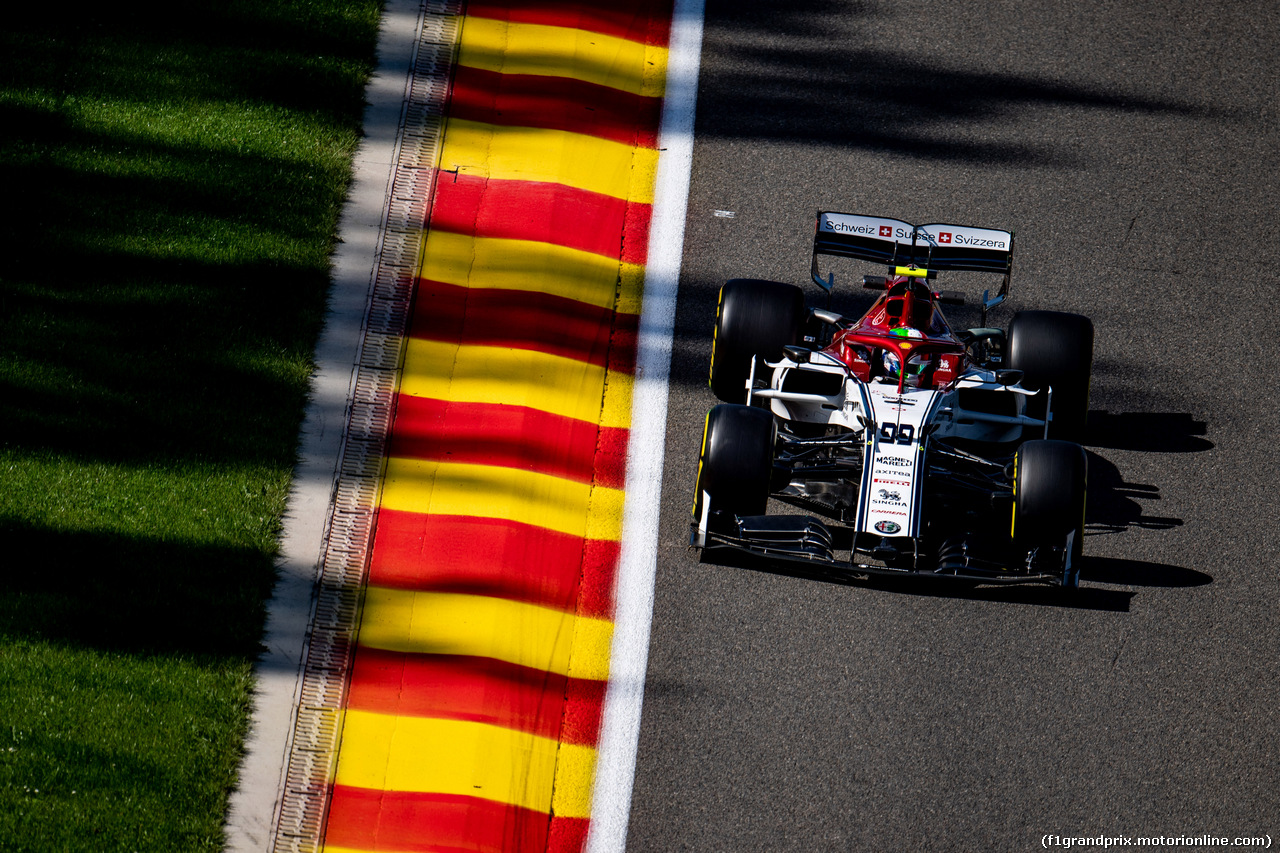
(944, 236)
(886, 230)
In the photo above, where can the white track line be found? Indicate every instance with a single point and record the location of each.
(620, 725)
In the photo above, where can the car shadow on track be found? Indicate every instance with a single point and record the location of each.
(1095, 570)
(1116, 505)
(1085, 598)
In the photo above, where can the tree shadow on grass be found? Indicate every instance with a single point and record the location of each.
(173, 185)
(132, 594)
(173, 193)
(161, 361)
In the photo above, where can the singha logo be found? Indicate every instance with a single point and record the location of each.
(886, 495)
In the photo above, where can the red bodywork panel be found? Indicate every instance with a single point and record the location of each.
(905, 321)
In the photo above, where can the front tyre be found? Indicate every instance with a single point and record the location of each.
(736, 462)
(1049, 500)
(1054, 349)
(755, 319)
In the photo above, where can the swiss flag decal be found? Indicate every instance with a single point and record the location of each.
(944, 236)
(886, 230)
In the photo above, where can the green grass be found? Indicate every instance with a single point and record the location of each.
(174, 182)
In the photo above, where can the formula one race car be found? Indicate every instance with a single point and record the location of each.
(924, 450)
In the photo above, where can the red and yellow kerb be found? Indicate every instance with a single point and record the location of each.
(474, 704)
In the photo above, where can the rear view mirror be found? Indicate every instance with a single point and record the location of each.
(798, 354)
(1008, 377)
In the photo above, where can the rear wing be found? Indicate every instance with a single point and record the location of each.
(922, 249)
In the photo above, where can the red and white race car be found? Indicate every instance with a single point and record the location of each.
(912, 448)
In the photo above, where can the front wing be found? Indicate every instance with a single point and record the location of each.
(805, 542)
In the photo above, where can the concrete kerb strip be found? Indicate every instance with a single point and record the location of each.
(255, 805)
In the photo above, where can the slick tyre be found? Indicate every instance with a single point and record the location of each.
(1049, 494)
(1054, 349)
(755, 319)
(736, 462)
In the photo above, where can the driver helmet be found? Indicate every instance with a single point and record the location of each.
(892, 366)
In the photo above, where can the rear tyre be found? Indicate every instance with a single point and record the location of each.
(755, 319)
(1054, 349)
(736, 462)
(1049, 498)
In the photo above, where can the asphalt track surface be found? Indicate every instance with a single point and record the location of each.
(1133, 147)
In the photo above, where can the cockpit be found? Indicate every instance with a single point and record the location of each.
(903, 339)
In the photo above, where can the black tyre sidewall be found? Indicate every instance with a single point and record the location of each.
(737, 460)
(1053, 348)
(754, 319)
(1049, 492)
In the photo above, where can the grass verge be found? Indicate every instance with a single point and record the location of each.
(175, 181)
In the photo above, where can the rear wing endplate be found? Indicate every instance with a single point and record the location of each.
(928, 248)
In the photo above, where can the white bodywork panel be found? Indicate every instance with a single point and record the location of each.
(889, 502)
(890, 493)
